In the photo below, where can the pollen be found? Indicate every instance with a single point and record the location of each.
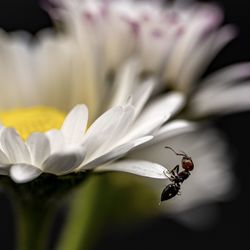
(32, 119)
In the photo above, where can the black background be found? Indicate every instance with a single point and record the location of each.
(231, 228)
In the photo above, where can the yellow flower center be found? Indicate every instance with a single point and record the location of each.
(33, 119)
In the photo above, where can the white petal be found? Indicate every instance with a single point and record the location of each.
(39, 146)
(142, 95)
(115, 153)
(64, 162)
(14, 147)
(125, 83)
(142, 140)
(156, 114)
(201, 58)
(138, 167)
(115, 136)
(56, 140)
(198, 26)
(112, 155)
(141, 129)
(166, 105)
(3, 158)
(126, 119)
(101, 130)
(173, 128)
(217, 100)
(22, 173)
(223, 76)
(170, 103)
(75, 124)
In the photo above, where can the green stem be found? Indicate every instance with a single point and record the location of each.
(35, 202)
(100, 198)
(34, 221)
(79, 228)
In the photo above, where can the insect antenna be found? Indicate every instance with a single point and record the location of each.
(181, 154)
(184, 153)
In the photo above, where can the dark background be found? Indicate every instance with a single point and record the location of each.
(231, 228)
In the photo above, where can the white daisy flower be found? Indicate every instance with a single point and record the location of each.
(117, 72)
(73, 148)
(175, 41)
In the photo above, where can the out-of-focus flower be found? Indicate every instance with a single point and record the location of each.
(175, 41)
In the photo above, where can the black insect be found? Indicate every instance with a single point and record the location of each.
(176, 177)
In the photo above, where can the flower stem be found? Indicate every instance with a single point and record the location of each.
(34, 221)
(81, 222)
(35, 203)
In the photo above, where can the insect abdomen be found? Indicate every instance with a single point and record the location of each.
(169, 192)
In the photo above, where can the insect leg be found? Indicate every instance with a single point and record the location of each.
(168, 174)
(173, 173)
(175, 170)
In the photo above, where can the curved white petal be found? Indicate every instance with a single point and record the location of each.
(166, 104)
(229, 74)
(64, 162)
(144, 128)
(22, 173)
(221, 100)
(39, 146)
(155, 115)
(56, 140)
(116, 135)
(142, 94)
(75, 124)
(200, 21)
(101, 130)
(3, 158)
(190, 72)
(138, 167)
(115, 153)
(126, 81)
(112, 155)
(124, 123)
(173, 128)
(14, 147)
